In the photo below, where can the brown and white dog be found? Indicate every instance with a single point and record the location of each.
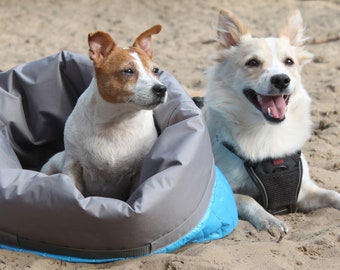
(258, 116)
(112, 128)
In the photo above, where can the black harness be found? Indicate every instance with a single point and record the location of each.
(279, 181)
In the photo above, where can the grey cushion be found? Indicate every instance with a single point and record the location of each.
(48, 213)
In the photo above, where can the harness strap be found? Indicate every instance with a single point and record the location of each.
(278, 180)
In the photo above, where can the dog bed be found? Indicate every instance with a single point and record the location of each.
(181, 198)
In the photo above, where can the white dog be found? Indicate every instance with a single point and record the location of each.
(111, 128)
(258, 116)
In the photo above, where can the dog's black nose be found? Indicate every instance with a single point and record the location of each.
(280, 81)
(159, 90)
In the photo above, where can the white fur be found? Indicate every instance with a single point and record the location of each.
(106, 141)
(233, 119)
(100, 155)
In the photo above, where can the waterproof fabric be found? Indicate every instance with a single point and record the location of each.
(181, 197)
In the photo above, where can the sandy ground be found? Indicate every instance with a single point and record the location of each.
(33, 29)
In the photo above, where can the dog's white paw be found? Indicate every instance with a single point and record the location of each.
(273, 226)
(249, 209)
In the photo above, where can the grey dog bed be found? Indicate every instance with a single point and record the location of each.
(178, 199)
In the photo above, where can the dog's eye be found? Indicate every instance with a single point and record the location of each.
(128, 71)
(289, 61)
(155, 70)
(253, 63)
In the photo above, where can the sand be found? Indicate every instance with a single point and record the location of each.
(30, 30)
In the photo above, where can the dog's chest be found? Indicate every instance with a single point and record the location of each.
(112, 158)
(113, 152)
(110, 143)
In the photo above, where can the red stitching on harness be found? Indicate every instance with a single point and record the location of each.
(278, 161)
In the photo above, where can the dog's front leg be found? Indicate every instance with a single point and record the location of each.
(311, 196)
(249, 209)
(319, 198)
(73, 169)
(54, 164)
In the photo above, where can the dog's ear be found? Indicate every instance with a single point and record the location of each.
(143, 41)
(100, 45)
(294, 29)
(230, 29)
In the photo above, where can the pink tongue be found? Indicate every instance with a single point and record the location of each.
(276, 104)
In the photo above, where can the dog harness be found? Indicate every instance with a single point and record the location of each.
(279, 181)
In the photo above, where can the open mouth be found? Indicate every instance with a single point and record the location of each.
(273, 108)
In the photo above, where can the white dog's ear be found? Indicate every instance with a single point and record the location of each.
(100, 45)
(144, 40)
(230, 29)
(294, 29)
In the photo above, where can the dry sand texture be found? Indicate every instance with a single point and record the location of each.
(33, 29)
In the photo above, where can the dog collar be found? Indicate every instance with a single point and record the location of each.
(279, 181)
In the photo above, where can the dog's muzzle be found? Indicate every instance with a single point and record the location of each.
(159, 90)
(274, 105)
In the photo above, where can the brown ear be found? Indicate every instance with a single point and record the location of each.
(100, 45)
(143, 41)
(294, 29)
(230, 29)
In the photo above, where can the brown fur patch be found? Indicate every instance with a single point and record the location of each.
(145, 59)
(115, 85)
